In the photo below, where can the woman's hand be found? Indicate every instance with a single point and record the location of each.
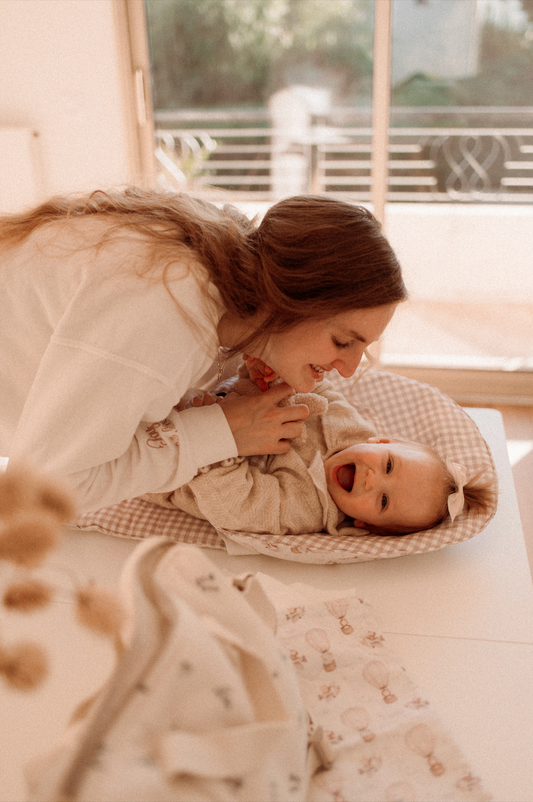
(259, 425)
(207, 400)
(260, 373)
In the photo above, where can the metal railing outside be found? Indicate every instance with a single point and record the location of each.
(477, 155)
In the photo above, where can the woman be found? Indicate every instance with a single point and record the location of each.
(114, 304)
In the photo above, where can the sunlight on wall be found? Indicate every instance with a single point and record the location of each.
(61, 78)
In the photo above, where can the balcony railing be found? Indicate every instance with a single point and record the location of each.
(435, 155)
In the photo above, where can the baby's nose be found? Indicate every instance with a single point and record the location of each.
(370, 479)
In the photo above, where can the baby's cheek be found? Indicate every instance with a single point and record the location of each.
(348, 507)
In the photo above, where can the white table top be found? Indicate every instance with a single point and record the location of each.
(460, 619)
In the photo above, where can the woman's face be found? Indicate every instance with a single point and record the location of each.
(301, 355)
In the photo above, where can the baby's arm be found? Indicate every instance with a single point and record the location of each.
(274, 495)
(260, 373)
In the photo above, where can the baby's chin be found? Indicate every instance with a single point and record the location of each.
(304, 385)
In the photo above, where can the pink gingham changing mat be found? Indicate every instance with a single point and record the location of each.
(397, 407)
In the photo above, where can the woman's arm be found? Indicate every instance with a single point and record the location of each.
(111, 354)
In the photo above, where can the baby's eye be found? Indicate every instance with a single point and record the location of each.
(384, 501)
(338, 344)
(389, 466)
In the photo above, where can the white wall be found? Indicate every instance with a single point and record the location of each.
(61, 78)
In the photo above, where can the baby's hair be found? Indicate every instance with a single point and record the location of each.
(479, 496)
(478, 492)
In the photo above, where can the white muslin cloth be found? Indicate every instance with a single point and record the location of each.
(207, 703)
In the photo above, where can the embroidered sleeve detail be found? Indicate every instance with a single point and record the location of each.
(154, 437)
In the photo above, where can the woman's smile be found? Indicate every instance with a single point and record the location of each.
(301, 355)
(318, 372)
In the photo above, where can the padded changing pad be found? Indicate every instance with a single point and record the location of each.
(397, 407)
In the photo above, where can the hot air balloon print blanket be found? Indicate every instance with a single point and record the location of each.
(378, 739)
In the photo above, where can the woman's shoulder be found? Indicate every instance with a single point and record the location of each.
(85, 231)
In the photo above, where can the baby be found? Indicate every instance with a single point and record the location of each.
(391, 486)
(341, 469)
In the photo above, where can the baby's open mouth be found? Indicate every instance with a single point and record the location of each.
(346, 476)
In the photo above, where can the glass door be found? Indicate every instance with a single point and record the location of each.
(460, 195)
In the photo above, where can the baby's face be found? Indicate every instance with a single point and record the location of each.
(384, 482)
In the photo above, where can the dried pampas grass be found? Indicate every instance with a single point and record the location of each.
(33, 512)
(100, 610)
(27, 595)
(27, 537)
(24, 665)
(21, 488)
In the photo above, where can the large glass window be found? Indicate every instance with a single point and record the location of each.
(254, 97)
(255, 100)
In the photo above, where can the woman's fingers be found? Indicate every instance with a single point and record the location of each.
(203, 401)
(259, 425)
(277, 392)
(220, 398)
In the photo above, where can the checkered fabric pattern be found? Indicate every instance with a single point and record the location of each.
(397, 407)
(136, 518)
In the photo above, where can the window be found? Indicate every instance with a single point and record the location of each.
(258, 99)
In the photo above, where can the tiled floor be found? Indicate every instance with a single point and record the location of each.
(518, 424)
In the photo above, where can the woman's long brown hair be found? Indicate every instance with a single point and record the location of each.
(310, 256)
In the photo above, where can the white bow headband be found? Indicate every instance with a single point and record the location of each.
(456, 500)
